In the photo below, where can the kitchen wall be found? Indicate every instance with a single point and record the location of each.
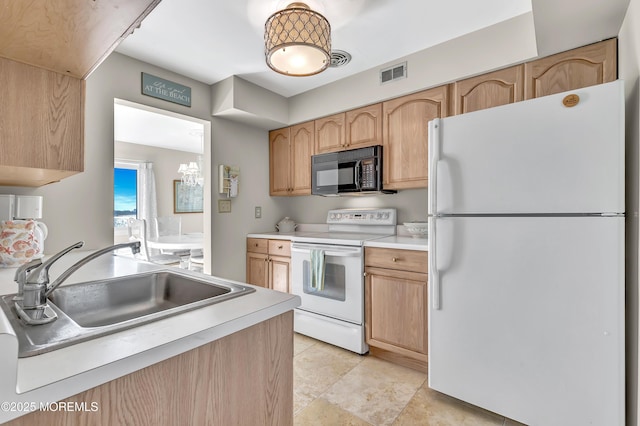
(629, 70)
(247, 147)
(165, 167)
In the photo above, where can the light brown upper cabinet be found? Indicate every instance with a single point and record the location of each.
(290, 151)
(582, 67)
(46, 53)
(330, 134)
(363, 127)
(496, 88)
(67, 36)
(405, 136)
(41, 125)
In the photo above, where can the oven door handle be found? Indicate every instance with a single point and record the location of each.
(337, 251)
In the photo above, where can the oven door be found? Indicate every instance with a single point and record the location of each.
(343, 294)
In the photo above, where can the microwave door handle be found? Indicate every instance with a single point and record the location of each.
(357, 175)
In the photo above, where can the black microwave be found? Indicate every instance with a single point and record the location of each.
(352, 172)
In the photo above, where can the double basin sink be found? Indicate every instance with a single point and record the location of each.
(95, 308)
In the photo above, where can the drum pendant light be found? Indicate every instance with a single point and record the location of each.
(297, 41)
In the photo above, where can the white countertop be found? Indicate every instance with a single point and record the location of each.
(400, 242)
(67, 371)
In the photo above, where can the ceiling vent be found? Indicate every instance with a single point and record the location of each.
(339, 58)
(395, 72)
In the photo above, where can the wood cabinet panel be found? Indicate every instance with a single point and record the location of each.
(496, 88)
(280, 273)
(330, 133)
(404, 260)
(258, 245)
(302, 148)
(279, 162)
(258, 269)
(396, 312)
(269, 263)
(363, 127)
(245, 378)
(66, 36)
(405, 136)
(574, 69)
(290, 151)
(280, 248)
(41, 123)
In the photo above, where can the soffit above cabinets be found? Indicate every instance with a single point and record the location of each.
(67, 36)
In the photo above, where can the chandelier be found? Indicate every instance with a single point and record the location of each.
(190, 174)
(297, 41)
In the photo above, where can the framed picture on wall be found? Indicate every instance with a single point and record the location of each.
(186, 198)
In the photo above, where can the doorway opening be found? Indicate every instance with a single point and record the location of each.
(161, 157)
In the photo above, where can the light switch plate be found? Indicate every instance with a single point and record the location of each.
(258, 212)
(224, 206)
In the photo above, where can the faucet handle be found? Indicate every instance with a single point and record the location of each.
(21, 272)
(21, 276)
(41, 274)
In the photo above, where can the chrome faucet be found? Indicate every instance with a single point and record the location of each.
(134, 246)
(33, 277)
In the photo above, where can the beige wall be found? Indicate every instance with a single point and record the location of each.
(629, 70)
(165, 167)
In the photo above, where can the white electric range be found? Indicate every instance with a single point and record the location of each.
(334, 311)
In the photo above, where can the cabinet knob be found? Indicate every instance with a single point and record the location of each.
(280, 247)
(394, 259)
(256, 244)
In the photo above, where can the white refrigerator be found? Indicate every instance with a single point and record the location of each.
(526, 258)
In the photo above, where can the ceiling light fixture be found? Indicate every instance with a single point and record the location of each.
(297, 41)
(191, 173)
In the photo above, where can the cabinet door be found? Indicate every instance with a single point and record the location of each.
(41, 125)
(330, 133)
(405, 136)
(279, 162)
(396, 311)
(497, 88)
(582, 67)
(302, 146)
(258, 269)
(279, 273)
(363, 126)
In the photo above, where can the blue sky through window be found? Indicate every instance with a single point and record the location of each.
(125, 189)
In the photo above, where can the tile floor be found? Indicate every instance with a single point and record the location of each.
(333, 386)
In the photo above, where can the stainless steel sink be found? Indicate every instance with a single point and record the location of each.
(95, 308)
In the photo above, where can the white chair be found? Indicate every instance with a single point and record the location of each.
(196, 260)
(169, 225)
(138, 232)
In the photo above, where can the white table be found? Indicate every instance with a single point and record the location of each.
(177, 242)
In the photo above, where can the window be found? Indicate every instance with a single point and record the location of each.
(125, 195)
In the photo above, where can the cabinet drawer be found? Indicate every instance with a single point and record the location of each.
(405, 260)
(280, 248)
(257, 245)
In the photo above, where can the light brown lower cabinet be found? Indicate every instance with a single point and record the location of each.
(269, 263)
(245, 378)
(396, 305)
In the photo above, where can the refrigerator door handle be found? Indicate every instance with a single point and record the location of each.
(434, 276)
(434, 157)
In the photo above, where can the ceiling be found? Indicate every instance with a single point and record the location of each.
(210, 40)
(135, 123)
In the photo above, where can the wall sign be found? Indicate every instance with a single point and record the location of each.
(166, 90)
